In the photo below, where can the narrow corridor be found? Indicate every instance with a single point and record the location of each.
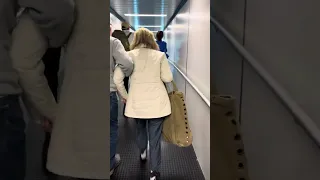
(177, 163)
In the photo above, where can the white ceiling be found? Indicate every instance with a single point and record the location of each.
(166, 7)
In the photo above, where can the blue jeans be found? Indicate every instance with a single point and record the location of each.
(113, 127)
(12, 139)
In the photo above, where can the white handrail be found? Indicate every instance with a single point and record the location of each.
(302, 117)
(191, 84)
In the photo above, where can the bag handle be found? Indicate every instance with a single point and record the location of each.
(129, 35)
(175, 88)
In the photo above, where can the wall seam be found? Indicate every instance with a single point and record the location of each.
(242, 61)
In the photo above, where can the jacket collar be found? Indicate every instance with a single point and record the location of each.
(141, 46)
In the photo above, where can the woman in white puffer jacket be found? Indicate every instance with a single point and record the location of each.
(147, 100)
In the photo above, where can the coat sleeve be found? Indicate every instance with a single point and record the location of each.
(26, 52)
(118, 77)
(54, 18)
(166, 74)
(122, 58)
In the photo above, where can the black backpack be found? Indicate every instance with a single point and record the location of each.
(123, 38)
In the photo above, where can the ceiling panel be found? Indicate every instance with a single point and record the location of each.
(166, 7)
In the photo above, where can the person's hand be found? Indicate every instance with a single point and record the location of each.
(124, 100)
(47, 125)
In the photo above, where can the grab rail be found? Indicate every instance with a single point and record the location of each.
(191, 83)
(307, 123)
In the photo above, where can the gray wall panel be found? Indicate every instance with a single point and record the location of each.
(284, 36)
(225, 61)
(231, 14)
(225, 66)
(276, 147)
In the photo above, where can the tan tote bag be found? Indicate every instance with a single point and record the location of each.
(176, 128)
(227, 149)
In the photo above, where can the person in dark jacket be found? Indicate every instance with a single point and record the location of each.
(56, 25)
(162, 44)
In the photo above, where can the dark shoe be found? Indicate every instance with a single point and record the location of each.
(154, 175)
(116, 164)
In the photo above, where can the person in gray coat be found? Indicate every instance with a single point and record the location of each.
(120, 58)
(79, 146)
(56, 26)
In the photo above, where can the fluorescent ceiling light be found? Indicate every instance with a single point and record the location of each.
(148, 26)
(183, 15)
(147, 15)
(176, 26)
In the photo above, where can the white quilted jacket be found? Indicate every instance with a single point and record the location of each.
(147, 97)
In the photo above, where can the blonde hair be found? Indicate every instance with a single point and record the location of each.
(144, 37)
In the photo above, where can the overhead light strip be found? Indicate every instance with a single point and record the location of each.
(148, 26)
(146, 15)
